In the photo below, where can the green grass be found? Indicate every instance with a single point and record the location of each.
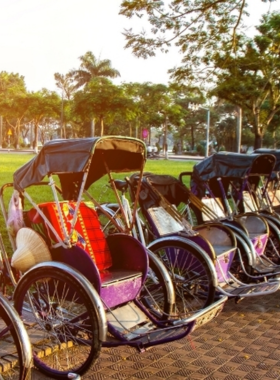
(10, 162)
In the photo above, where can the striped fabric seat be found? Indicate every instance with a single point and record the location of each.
(87, 232)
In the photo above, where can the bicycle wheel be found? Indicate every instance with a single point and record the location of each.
(106, 224)
(157, 294)
(272, 249)
(15, 348)
(62, 317)
(192, 274)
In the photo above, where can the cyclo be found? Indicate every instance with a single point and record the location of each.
(221, 239)
(231, 183)
(81, 290)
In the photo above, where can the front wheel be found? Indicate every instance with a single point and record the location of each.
(62, 317)
(192, 275)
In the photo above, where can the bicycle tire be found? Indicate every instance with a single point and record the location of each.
(64, 317)
(156, 294)
(272, 249)
(193, 279)
(14, 344)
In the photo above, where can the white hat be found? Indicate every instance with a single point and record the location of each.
(31, 249)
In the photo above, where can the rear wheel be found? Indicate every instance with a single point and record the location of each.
(157, 294)
(62, 318)
(15, 345)
(190, 273)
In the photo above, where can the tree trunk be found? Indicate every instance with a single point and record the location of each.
(35, 143)
(17, 134)
(258, 130)
(192, 137)
(101, 125)
(258, 141)
(165, 146)
(238, 129)
(92, 128)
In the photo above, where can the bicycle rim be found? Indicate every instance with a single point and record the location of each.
(62, 320)
(190, 274)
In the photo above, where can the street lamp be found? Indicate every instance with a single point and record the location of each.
(196, 107)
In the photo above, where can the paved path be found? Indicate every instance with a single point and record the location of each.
(243, 342)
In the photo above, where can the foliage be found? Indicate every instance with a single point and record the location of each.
(42, 104)
(92, 67)
(13, 102)
(250, 79)
(197, 28)
(99, 99)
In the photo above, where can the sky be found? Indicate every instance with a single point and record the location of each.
(41, 37)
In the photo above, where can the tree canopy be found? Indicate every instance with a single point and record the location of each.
(250, 79)
(198, 28)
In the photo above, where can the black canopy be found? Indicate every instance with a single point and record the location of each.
(234, 165)
(229, 166)
(69, 159)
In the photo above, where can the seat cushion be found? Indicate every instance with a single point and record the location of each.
(87, 232)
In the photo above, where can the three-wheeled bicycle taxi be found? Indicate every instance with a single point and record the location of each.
(230, 183)
(78, 289)
(222, 239)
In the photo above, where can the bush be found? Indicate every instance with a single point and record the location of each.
(200, 150)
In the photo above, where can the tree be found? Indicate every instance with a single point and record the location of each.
(155, 107)
(198, 28)
(98, 99)
(14, 102)
(90, 68)
(192, 123)
(250, 79)
(42, 104)
(65, 84)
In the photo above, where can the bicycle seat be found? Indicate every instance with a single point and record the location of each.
(121, 185)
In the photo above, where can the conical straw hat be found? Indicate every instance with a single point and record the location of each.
(31, 250)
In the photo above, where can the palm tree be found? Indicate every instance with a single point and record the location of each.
(92, 67)
(65, 84)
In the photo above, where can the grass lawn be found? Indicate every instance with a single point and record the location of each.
(10, 162)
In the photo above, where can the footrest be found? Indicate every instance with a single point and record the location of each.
(205, 315)
(265, 267)
(134, 327)
(210, 313)
(234, 289)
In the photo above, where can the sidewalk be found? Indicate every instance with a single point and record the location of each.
(172, 156)
(185, 157)
(241, 343)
